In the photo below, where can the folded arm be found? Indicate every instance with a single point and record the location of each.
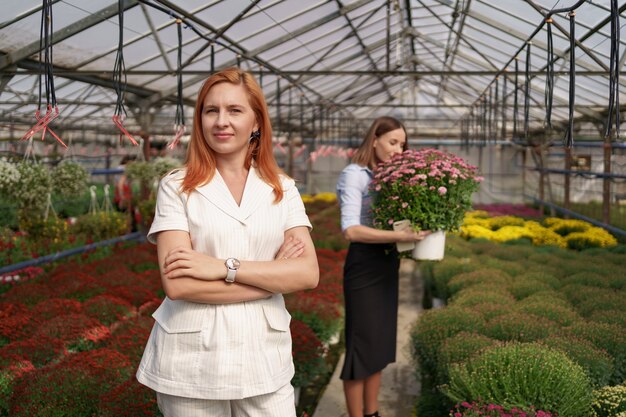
(189, 275)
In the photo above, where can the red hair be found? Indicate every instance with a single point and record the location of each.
(200, 161)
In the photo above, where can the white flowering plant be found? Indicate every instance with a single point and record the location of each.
(70, 179)
(31, 191)
(9, 177)
(431, 188)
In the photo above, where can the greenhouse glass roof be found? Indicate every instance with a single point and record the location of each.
(327, 67)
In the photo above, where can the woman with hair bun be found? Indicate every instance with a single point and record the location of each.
(370, 271)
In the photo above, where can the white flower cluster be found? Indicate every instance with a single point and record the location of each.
(34, 185)
(70, 179)
(9, 177)
(163, 165)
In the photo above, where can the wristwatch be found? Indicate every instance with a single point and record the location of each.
(232, 265)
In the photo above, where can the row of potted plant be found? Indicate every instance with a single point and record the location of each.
(519, 316)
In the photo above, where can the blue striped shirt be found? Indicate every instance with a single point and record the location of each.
(355, 199)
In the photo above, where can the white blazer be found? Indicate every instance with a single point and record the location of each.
(223, 351)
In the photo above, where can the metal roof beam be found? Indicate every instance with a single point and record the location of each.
(66, 32)
(157, 39)
(220, 32)
(24, 15)
(248, 54)
(364, 47)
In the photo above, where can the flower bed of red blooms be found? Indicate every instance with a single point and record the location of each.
(71, 338)
(493, 410)
(503, 209)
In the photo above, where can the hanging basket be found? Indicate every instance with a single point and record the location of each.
(431, 248)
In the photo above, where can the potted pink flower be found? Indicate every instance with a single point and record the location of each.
(430, 188)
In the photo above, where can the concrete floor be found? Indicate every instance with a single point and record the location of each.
(399, 387)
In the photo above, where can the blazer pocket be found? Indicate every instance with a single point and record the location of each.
(177, 342)
(278, 318)
(180, 316)
(278, 338)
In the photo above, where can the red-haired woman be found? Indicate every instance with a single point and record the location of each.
(232, 236)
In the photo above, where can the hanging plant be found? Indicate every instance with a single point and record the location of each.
(163, 165)
(70, 179)
(9, 177)
(141, 171)
(31, 191)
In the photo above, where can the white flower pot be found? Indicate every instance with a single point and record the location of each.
(431, 248)
(403, 246)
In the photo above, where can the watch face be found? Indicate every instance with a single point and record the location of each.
(233, 263)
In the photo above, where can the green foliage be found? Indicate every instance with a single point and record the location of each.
(523, 286)
(37, 227)
(548, 297)
(608, 337)
(447, 269)
(589, 279)
(609, 401)
(617, 317)
(522, 327)
(483, 293)
(434, 326)
(102, 225)
(479, 276)
(522, 375)
(490, 311)
(510, 267)
(460, 348)
(512, 251)
(562, 315)
(603, 300)
(597, 364)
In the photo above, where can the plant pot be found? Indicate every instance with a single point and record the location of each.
(403, 246)
(431, 248)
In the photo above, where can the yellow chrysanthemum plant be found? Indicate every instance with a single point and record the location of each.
(564, 233)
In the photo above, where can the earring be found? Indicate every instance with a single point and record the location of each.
(255, 135)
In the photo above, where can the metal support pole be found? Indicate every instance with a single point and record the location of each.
(606, 182)
(566, 185)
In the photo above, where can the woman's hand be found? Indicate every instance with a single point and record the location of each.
(184, 262)
(291, 248)
(409, 235)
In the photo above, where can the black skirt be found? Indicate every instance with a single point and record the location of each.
(370, 288)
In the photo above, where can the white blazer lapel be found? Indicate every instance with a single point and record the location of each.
(219, 195)
(255, 193)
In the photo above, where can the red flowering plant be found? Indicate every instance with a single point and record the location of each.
(323, 316)
(431, 188)
(308, 354)
(475, 409)
(71, 387)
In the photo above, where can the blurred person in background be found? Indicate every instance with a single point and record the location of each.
(371, 271)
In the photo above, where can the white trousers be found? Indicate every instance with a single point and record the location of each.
(276, 404)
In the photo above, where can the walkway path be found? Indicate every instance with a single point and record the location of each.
(399, 387)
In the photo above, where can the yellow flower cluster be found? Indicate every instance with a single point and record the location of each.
(321, 197)
(576, 234)
(594, 236)
(609, 401)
